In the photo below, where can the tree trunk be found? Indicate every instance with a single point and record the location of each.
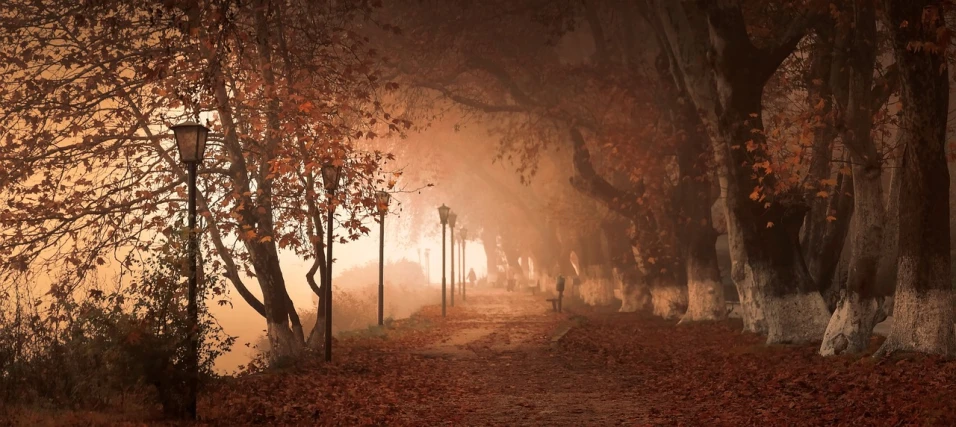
(596, 280)
(923, 312)
(264, 255)
(668, 296)
(778, 296)
(282, 339)
(829, 271)
(489, 241)
(890, 248)
(512, 256)
(635, 295)
(825, 228)
(635, 292)
(860, 307)
(705, 292)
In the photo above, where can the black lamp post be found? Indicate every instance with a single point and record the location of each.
(330, 177)
(464, 281)
(443, 212)
(191, 141)
(382, 198)
(452, 217)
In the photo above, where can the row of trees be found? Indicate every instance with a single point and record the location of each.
(810, 124)
(820, 127)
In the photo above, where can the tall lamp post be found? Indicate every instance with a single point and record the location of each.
(330, 178)
(464, 281)
(191, 142)
(382, 198)
(443, 212)
(452, 217)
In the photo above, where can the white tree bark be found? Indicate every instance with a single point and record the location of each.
(668, 300)
(705, 301)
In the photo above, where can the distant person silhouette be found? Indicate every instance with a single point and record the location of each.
(471, 276)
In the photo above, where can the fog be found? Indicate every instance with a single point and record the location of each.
(242, 321)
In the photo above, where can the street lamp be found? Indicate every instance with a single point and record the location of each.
(451, 224)
(464, 239)
(443, 215)
(330, 178)
(191, 142)
(382, 198)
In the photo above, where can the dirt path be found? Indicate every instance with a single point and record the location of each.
(509, 371)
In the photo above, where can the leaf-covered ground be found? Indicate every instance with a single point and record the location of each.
(495, 361)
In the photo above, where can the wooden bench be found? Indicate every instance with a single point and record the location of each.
(555, 303)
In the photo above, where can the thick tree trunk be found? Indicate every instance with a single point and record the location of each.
(596, 279)
(923, 312)
(778, 296)
(861, 306)
(513, 258)
(668, 296)
(819, 101)
(890, 248)
(829, 274)
(634, 293)
(705, 292)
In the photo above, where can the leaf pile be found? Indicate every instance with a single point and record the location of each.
(715, 375)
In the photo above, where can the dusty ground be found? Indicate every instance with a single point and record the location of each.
(498, 360)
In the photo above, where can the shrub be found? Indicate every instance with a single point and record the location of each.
(95, 350)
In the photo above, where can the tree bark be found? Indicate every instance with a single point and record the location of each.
(923, 312)
(860, 307)
(825, 228)
(635, 295)
(829, 272)
(778, 296)
(890, 248)
(596, 280)
(705, 292)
